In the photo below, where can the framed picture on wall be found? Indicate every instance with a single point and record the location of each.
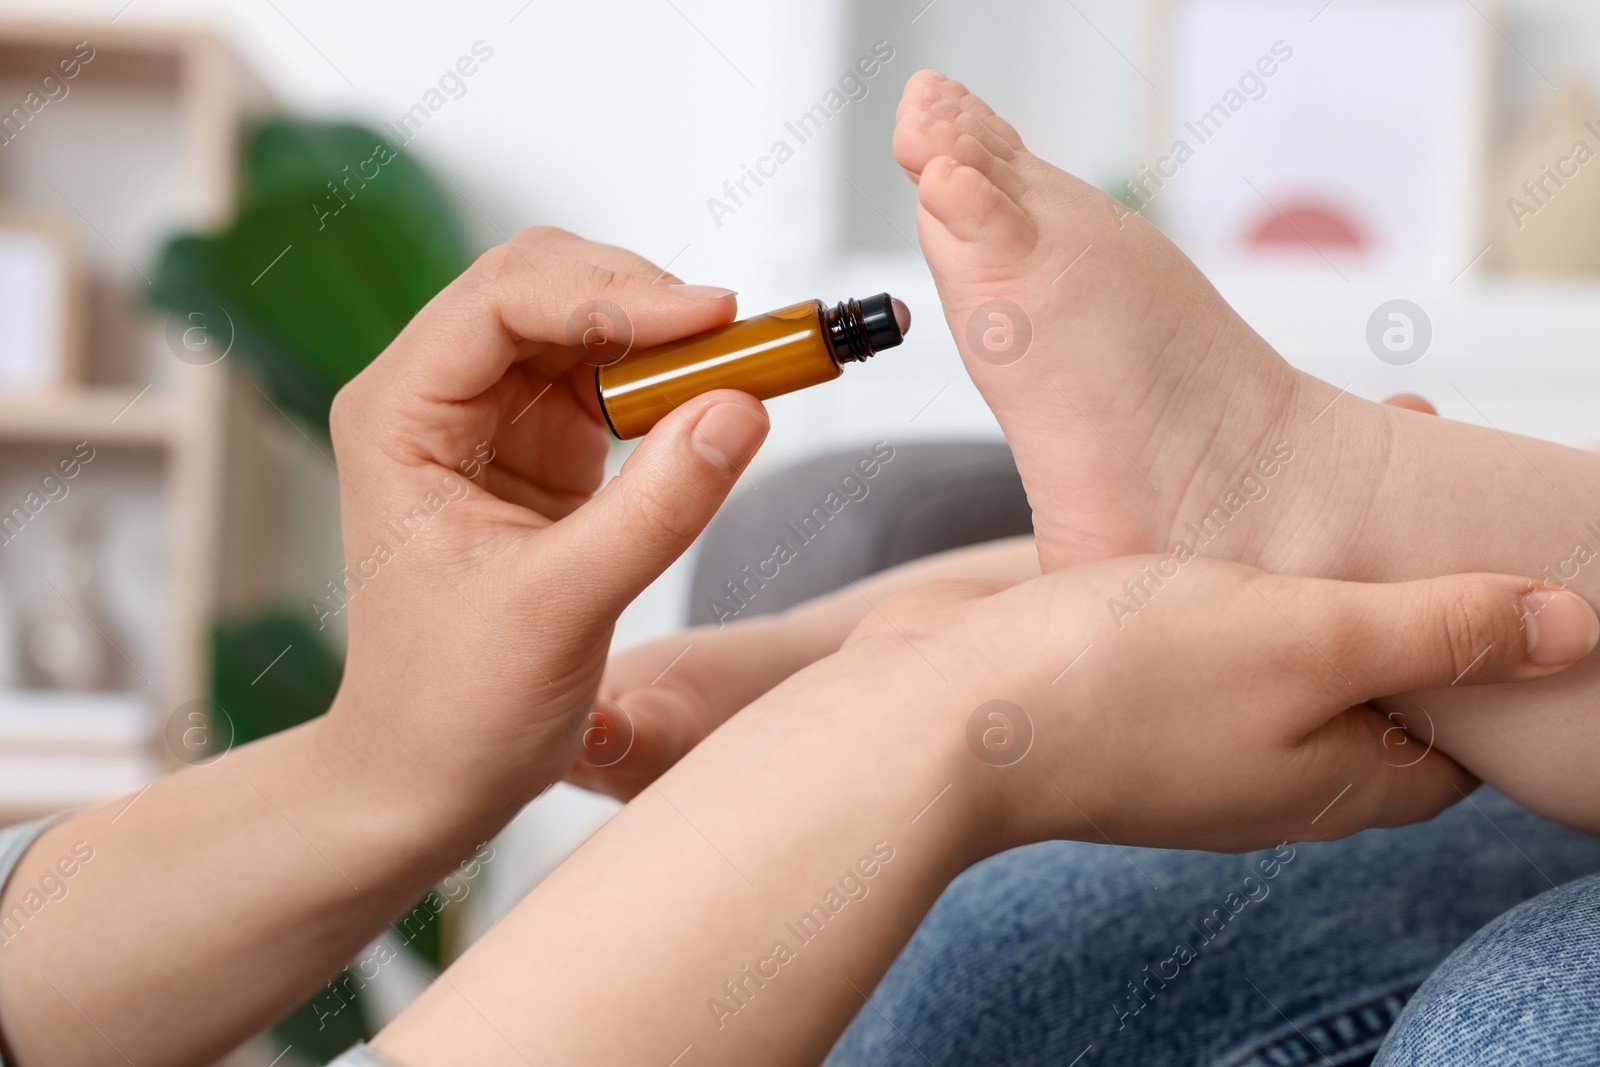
(1348, 135)
(40, 303)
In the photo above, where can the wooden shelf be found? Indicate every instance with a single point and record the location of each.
(149, 147)
(99, 414)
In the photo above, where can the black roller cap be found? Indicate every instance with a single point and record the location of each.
(880, 322)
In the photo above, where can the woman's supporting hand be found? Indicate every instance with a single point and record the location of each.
(741, 908)
(1205, 704)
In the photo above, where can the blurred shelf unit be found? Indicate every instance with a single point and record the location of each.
(100, 412)
(117, 138)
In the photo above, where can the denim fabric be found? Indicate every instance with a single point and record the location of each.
(1064, 952)
(1524, 991)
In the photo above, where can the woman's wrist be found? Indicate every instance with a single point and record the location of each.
(885, 722)
(985, 700)
(416, 804)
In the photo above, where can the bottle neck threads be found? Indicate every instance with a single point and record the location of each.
(847, 332)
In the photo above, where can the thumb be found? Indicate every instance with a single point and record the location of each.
(1469, 629)
(626, 535)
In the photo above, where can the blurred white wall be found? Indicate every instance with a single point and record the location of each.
(614, 118)
(618, 118)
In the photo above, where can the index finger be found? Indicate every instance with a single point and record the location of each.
(530, 292)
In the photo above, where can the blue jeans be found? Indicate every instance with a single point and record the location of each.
(1524, 990)
(1068, 953)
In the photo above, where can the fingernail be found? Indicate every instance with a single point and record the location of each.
(1561, 626)
(728, 435)
(701, 292)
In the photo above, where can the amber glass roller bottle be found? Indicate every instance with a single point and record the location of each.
(766, 356)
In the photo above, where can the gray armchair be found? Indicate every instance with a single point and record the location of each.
(816, 526)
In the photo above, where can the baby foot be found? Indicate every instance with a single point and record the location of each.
(1143, 412)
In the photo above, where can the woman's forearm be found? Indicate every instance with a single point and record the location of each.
(205, 907)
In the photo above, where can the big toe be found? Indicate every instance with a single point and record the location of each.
(962, 204)
(918, 137)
